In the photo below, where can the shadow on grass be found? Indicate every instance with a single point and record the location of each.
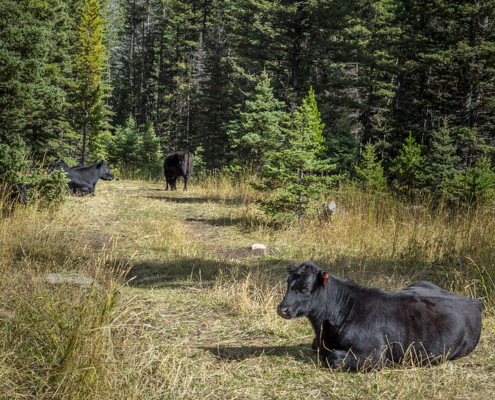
(302, 353)
(379, 272)
(189, 272)
(196, 200)
(223, 221)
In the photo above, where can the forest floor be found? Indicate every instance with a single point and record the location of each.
(198, 312)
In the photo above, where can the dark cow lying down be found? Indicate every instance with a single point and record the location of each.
(59, 165)
(83, 179)
(360, 328)
(178, 164)
(15, 193)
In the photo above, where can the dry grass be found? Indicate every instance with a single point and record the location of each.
(197, 317)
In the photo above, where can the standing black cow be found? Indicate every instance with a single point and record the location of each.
(83, 178)
(360, 328)
(178, 164)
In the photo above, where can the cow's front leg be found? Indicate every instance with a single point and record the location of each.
(349, 361)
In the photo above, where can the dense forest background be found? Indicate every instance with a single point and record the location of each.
(405, 86)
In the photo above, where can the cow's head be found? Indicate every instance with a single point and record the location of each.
(17, 192)
(105, 172)
(303, 282)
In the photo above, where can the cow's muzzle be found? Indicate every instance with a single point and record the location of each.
(284, 311)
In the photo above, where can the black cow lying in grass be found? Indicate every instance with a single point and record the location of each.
(83, 179)
(360, 328)
(16, 193)
(59, 165)
(178, 164)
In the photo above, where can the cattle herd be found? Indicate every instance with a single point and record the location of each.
(82, 179)
(356, 328)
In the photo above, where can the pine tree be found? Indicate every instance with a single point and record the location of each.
(370, 171)
(259, 130)
(342, 146)
(90, 64)
(441, 160)
(149, 152)
(124, 151)
(296, 171)
(34, 72)
(477, 183)
(409, 166)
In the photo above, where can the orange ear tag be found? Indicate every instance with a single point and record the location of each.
(325, 278)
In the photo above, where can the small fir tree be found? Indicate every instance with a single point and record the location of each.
(409, 166)
(442, 160)
(90, 65)
(475, 185)
(259, 130)
(296, 171)
(149, 152)
(370, 171)
(342, 146)
(12, 160)
(124, 148)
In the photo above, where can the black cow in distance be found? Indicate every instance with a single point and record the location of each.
(83, 178)
(359, 328)
(60, 165)
(178, 164)
(16, 193)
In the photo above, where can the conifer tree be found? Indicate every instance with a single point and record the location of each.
(410, 166)
(125, 148)
(474, 185)
(90, 64)
(442, 158)
(297, 170)
(342, 146)
(149, 152)
(370, 171)
(34, 70)
(259, 130)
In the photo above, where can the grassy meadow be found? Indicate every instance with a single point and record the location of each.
(185, 310)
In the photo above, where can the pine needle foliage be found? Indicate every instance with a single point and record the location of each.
(90, 64)
(409, 166)
(260, 128)
(369, 172)
(296, 173)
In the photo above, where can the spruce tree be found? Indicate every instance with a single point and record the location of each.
(442, 159)
(90, 63)
(296, 171)
(149, 152)
(409, 166)
(259, 129)
(34, 72)
(369, 171)
(342, 146)
(124, 150)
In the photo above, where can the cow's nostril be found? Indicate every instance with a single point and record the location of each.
(283, 311)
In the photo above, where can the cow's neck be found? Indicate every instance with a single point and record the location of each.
(93, 171)
(335, 303)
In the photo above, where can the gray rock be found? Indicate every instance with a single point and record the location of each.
(73, 279)
(258, 246)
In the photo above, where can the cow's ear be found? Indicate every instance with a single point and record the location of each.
(292, 268)
(100, 163)
(323, 277)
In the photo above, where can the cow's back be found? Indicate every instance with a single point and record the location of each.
(179, 163)
(438, 320)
